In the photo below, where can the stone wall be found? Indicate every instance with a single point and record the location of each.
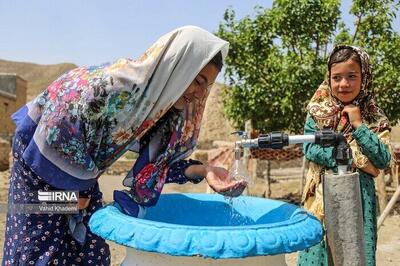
(5, 149)
(214, 125)
(12, 97)
(13, 91)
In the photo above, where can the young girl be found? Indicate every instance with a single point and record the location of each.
(345, 103)
(86, 119)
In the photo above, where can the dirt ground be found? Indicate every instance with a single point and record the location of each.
(283, 187)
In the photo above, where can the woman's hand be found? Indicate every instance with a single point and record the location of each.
(354, 114)
(221, 182)
(218, 179)
(83, 203)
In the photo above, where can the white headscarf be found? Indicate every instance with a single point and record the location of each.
(88, 117)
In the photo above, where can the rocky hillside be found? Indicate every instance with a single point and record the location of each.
(214, 125)
(38, 76)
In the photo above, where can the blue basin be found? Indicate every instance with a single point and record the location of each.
(208, 225)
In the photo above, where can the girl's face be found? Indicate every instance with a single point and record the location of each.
(199, 86)
(345, 80)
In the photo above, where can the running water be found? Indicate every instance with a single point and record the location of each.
(229, 200)
(238, 218)
(239, 172)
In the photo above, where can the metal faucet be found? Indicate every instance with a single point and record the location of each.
(239, 144)
(278, 140)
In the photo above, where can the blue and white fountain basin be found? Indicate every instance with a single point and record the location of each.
(197, 227)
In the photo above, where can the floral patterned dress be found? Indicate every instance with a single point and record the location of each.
(46, 239)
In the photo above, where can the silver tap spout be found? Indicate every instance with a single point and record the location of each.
(238, 151)
(247, 143)
(244, 142)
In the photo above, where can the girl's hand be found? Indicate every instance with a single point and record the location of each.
(354, 114)
(220, 181)
(370, 169)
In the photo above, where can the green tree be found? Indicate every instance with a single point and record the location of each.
(278, 57)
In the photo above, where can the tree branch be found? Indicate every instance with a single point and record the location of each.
(357, 25)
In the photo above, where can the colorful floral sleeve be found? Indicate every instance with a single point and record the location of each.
(376, 151)
(314, 152)
(176, 172)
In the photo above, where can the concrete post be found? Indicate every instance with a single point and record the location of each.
(344, 219)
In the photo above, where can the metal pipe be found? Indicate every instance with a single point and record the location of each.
(296, 139)
(278, 140)
(299, 139)
(342, 169)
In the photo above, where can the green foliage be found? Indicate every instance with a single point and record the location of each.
(277, 58)
(374, 32)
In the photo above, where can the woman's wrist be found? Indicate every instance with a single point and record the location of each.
(196, 171)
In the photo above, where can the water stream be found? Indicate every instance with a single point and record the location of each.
(239, 172)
